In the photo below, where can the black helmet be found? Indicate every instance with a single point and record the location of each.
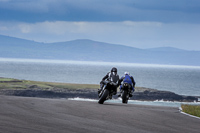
(114, 69)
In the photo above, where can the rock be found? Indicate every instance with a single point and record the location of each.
(146, 95)
(162, 95)
(33, 86)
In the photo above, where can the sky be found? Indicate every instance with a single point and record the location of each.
(136, 23)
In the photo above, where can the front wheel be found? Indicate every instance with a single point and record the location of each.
(125, 96)
(103, 96)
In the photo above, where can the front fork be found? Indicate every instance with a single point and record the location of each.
(102, 90)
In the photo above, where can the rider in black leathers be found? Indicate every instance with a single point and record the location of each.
(112, 76)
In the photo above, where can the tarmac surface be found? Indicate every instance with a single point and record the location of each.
(42, 115)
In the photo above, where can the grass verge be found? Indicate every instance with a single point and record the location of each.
(12, 84)
(191, 109)
(8, 83)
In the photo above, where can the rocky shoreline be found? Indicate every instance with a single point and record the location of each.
(162, 95)
(15, 87)
(147, 95)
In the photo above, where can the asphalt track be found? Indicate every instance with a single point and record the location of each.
(40, 115)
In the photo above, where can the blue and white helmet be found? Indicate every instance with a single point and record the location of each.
(126, 73)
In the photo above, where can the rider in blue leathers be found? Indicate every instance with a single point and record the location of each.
(127, 78)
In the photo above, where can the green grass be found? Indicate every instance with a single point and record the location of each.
(7, 79)
(24, 84)
(9, 83)
(191, 109)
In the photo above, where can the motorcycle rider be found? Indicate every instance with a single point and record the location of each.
(127, 78)
(112, 76)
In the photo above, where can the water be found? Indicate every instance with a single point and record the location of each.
(182, 80)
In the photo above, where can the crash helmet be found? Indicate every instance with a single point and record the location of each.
(126, 73)
(114, 69)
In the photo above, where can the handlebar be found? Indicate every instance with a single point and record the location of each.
(109, 82)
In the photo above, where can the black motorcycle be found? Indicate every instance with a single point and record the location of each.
(126, 92)
(107, 92)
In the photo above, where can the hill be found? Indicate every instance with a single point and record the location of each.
(88, 50)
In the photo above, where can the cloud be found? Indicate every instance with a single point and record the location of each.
(4, 0)
(166, 11)
(146, 23)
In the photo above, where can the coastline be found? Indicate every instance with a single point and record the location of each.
(25, 88)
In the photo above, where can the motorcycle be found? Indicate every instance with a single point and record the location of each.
(126, 92)
(107, 92)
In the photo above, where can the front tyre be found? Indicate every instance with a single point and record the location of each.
(103, 96)
(125, 96)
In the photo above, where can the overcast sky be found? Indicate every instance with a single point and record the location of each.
(136, 23)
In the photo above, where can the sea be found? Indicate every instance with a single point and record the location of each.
(183, 80)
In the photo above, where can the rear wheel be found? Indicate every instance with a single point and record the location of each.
(103, 96)
(125, 96)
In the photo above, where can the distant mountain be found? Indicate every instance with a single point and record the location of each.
(88, 50)
(7, 40)
(167, 49)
